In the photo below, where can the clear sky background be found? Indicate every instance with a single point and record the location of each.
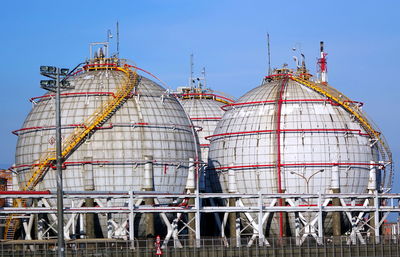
(227, 37)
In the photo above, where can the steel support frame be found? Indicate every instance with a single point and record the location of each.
(252, 216)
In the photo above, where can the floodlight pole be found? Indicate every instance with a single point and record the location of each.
(60, 197)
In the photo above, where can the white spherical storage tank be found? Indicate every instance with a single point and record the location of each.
(148, 125)
(285, 136)
(205, 109)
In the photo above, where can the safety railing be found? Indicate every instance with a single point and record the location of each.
(354, 108)
(211, 247)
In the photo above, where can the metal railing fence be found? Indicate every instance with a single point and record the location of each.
(209, 247)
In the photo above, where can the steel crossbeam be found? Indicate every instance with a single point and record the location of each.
(355, 207)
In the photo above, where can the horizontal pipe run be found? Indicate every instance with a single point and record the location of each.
(207, 95)
(47, 192)
(105, 162)
(241, 133)
(327, 100)
(73, 94)
(155, 194)
(192, 209)
(296, 165)
(109, 64)
(206, 118)
(109, 126)
(143, 209)
(147, 72)
(278, 75)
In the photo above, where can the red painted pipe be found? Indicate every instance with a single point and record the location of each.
(73, 94)
(47, 192)
(278, 148)
(330, 101)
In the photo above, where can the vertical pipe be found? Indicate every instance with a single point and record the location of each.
(278, 162)
(336, 217)
(131, 220)
(109, 220)
(197, 218)
(238, 230)
(36, 218)
(232, 188)
(320, 221)
(190, 187)
(148, 185)
(376, 218)
(297, 225)
(88, 184)
(260, 219)
(372, 189)
(3, 187)
(284, 222)
(60, 205)
(81, 226)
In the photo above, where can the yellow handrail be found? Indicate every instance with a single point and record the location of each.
(345, 102)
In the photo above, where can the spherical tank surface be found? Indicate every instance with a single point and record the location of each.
(205, 111)
(150, 123)
(284, 137)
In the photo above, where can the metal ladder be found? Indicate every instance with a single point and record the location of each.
(73, 141)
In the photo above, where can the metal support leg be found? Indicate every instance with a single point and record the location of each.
(131, 221)
(376, 218)
(260, 220)
(28, 224)
(197, 218)
(320, 221)
(148, 185)
(82, 231)
(40, 228)
(109, 221)
(237, 226)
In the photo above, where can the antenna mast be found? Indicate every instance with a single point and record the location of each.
(191, 71)
(269, 56)
(322, 64)
(117, 40)
(204, 76)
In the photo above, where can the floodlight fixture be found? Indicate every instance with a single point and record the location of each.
(65, 83)
(64, 71)
(47, 83)
(48, 69)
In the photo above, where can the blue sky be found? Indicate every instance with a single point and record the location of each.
(227, 37)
